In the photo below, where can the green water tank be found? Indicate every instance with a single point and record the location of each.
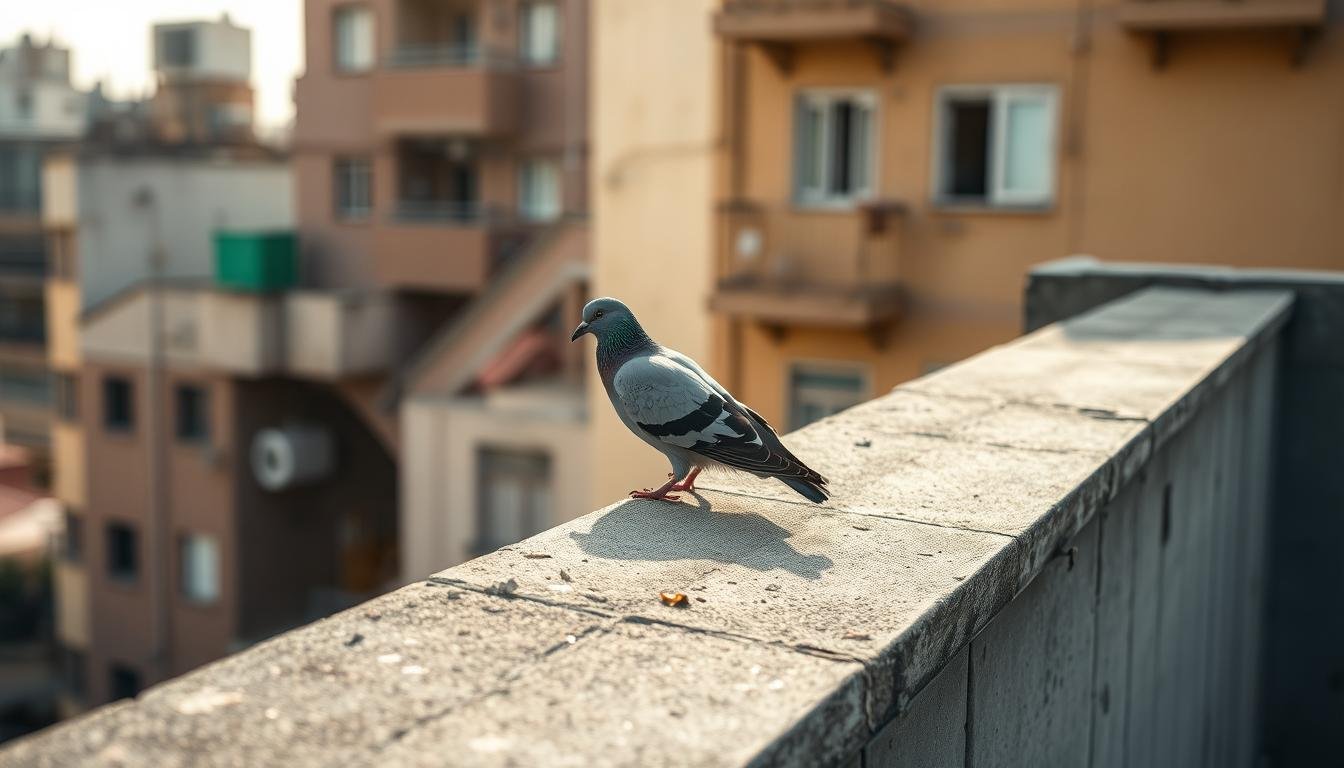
(256, 261)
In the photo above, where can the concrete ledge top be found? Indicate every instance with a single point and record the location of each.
(807, 627)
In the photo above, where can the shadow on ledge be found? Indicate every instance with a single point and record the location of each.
(654, 530)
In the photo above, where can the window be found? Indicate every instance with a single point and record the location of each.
(72, 544)
(122, 558)
(514, 496)
(539, 189)
(123, 682)
(200, 568)
(833, 147)
(354, 39)
(25, 385)
(67, 396)
(23, 103)
(118, 408)
(539, 44)
(817, 391)
(353, 187)
(193, 414)
(996, 145)
(178, 47)
(20, 178)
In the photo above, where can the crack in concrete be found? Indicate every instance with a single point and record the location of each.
(838, 511)
(511, 676)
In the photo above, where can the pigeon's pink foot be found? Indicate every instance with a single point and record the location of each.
(661, 494)
(688, 484)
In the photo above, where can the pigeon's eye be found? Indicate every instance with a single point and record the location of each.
(597, 314)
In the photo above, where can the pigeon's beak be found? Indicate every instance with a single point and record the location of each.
(581, 330)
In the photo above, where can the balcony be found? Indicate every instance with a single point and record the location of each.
(1175, 15)
(1163, 18)
(778, 25)
(312, 334)
(436, 246)
(444, 89)
(784, 266)
(1054, 552)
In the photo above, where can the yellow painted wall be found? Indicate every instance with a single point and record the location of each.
(654, 128)
(62, 298)
(68, 459)
(1227, 156)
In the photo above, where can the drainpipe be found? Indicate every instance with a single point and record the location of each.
(734, 108)
(157, 541)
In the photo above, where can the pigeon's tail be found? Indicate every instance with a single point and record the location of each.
(812, 491)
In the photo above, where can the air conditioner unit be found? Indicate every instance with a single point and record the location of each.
(292, 456)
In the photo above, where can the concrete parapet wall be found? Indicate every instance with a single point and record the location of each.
(1046, 555)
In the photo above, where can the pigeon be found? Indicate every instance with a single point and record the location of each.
(671, 403)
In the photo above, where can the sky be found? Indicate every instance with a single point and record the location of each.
(109, 41)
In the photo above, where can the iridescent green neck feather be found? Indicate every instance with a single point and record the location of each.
(619, 342)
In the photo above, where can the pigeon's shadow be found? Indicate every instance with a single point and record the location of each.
(648, 530)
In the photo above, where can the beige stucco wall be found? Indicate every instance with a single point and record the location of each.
(67, 456)
(72, 609)
(62, 298)
(654, 124)
(440, 438)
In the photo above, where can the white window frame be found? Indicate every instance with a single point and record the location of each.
(345, 163)
(825, 98)
(1000, 96)
(525, 54)
(354, 65)
(527, 208)
(199, 568)
(844, 367)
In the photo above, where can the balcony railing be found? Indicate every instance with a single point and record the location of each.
(798, 266)
(463, 212)
(435, 55)
(444, 245)
(1050, 554)
(438, 89)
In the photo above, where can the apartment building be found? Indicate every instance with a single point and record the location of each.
(891, 169)
(440, 153)
(39, 110)
(204, 451)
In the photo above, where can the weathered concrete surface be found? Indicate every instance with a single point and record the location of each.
(1114, 616)
(1031, 670)
(959, 503)
(932, 731)
(897, 594)
(1304, 677)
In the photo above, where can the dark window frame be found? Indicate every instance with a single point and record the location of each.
(191, 413)
(123, 554)
(123, 681)
(118, 404)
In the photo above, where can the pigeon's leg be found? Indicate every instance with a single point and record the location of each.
(660, 494)
(688, 484)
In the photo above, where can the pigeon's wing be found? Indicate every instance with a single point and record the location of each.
(722, 391)
(674, 405)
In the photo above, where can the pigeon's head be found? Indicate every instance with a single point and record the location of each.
(601, 316)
